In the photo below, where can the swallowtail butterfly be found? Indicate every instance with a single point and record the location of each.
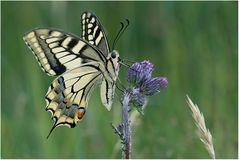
(79, 63)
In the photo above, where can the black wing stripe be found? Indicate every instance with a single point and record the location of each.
(107, 90)
(72, 43)
(97, 34)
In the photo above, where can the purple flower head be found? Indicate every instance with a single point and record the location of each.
(143, 84)
(140, 75)
(139, 72)
(153, 85)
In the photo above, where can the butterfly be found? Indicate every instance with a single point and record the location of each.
(79, 63)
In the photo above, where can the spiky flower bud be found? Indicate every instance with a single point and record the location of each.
(139, 72)
(153, 85)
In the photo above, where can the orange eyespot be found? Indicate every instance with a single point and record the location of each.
(80, 113)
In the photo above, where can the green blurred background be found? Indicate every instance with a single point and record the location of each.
(193, 44)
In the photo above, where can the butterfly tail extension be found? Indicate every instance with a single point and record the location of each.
(63, 112)
(52, 128)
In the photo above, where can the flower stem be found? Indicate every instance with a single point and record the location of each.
(126, 124)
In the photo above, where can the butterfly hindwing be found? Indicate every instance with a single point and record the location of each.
(67, 97)
(57, 51)
(93, 32)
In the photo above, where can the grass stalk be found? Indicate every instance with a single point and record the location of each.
(203, 133)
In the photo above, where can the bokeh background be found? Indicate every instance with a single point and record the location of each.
(193, 44)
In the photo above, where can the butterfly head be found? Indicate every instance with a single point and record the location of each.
(114, 55)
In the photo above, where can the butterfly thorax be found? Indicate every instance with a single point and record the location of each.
(112, 65)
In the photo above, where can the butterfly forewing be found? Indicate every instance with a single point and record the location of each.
(57, 51)
(93, 32)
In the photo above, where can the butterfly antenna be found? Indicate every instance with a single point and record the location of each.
(125, 26)
(53, 127)
(121, 31)
(115, 40)
(124, 64)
